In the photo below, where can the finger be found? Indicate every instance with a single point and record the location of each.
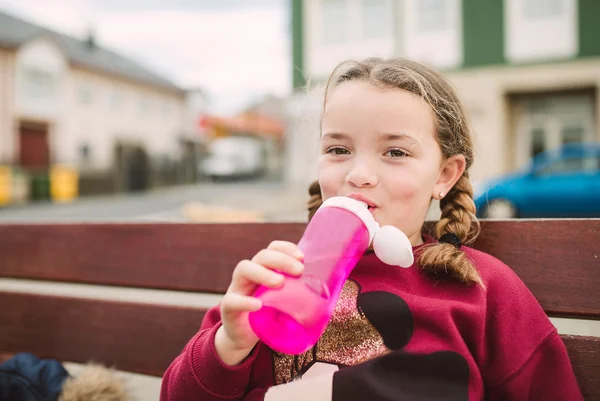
(248, 272)
(236, 303)
(289, 248)
(279, 261)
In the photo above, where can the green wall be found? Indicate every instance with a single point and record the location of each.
(589, 28)
(297, 44)
(483, 32)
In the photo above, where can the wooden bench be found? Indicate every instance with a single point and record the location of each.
(559, 260)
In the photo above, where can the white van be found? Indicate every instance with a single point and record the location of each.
(235, 157)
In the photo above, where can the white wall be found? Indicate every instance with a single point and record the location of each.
(102, 110)
(533, 32)
(432, 35)
(322, 54)
(39, 80)
(83, 107)
(302, 137)
(432, 32)
(196, 107)
(41, 69)
(7, 139)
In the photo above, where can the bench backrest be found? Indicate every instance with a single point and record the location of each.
(559, 260)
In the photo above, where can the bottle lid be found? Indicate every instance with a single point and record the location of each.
(390, 244)
(360, 209)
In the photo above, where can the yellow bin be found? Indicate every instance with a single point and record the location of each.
(64, 184)
(5, 185)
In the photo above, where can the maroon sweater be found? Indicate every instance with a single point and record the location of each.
(397, 334)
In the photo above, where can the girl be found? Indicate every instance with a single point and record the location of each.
(459, 325)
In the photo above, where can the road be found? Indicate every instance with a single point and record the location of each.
(270, 201)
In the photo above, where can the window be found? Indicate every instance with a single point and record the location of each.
(85, 95)
(115, 100)
(572, 134)
(540, 9)
(538, 141)
(38, 83)
(167, 108)
(84, 153)
(144, 105)
(540, 29)
(376, 18)
(335, 18)
(432, 15)
(585, 164)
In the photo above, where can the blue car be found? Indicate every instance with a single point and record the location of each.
(558, 184)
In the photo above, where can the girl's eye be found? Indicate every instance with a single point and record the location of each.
(338, 151)
(396, 153)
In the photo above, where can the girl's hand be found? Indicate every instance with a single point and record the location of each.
(235, 339)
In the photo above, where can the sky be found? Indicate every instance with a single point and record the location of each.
(236, 50)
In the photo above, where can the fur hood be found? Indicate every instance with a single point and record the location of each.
(25, 377)
(95, 383)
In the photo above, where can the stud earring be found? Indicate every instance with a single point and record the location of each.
(441, 194)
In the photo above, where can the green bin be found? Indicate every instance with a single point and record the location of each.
(40, 186)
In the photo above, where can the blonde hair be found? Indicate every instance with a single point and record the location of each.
(453, 134)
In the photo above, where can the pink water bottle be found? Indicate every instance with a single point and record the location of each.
(294, 316)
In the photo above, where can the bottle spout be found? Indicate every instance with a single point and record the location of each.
(393, 247)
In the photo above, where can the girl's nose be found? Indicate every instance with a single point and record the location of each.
(361, 176)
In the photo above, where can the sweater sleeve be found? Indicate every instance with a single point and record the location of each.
(198, 373)
(546, 375)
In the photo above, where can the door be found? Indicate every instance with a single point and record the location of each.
(561, 187)
(547, 122)
(34, 147)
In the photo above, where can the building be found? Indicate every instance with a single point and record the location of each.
(528, 71)
(71, 102)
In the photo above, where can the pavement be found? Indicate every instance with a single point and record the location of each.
(204, 202)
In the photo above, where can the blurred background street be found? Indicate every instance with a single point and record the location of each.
(103, 99)
(207, 202)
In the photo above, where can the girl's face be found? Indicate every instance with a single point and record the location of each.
(379, 146)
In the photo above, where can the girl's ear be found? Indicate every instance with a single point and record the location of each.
(450, 172)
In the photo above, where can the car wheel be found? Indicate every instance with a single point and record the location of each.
(501, 209)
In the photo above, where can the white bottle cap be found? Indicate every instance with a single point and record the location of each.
(360, 209)
(390, 244)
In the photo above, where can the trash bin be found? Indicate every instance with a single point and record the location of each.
(20, 186)
(40, 186)
(64, 184)
(5, 185)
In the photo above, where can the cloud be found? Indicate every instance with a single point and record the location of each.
(196, 5)
(67, 16)
(222, 51)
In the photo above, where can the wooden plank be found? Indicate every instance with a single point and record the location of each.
(125, 335)
(187, 257)
(559, 260)
(584, 353)
(141, 338)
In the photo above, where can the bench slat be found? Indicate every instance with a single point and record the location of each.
(163, 256)
(559, 260)
(140, 338)
(144, 338)
(584, 353)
